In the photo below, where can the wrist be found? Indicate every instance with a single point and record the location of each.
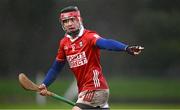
(126, 47)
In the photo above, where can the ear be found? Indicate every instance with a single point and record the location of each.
(80, 19)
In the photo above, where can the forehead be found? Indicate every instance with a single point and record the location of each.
(69, 18)
(68, 15)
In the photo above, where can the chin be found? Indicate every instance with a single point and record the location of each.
(74, 32)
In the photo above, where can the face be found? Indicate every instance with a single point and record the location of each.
(71, 24)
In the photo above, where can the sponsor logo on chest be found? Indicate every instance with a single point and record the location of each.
(77, 59)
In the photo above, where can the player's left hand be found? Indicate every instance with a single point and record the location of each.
(134, 50)
(43, 90)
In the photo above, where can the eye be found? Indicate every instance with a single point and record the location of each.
(65, 21)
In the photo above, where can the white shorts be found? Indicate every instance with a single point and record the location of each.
(94, 98)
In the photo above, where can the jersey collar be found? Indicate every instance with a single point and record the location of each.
(81, 32)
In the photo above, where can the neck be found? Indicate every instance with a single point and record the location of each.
(74, 34)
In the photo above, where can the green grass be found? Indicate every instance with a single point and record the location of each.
(113, 106)
(12, 96)
(145, 88)
(121, 87)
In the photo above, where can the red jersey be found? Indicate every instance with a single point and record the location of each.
(84, 60)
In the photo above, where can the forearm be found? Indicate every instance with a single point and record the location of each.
(110, 44)
(53, 72)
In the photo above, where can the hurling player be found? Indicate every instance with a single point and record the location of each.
(80, 47)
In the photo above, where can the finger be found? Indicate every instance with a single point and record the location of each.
(137, 52)
(138, 48)
(141, 48)
(42, 86)
(43, 92)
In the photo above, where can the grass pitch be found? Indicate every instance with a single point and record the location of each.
(117, 106)
(12, 96)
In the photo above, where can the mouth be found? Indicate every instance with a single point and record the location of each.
(71, 29)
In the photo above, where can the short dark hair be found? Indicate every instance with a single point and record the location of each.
(69, 9)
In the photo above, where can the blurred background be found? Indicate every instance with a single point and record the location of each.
(30, 32)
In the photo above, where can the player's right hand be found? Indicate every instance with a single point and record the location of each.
(43, 90)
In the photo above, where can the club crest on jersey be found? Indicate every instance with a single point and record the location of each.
(81, 44)
(73, 47)
(65, 47)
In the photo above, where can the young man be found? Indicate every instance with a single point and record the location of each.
(81, 49)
